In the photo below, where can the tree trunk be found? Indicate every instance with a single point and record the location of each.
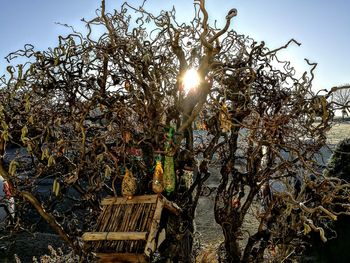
(179, 241)
(179, 229)
(233, 253)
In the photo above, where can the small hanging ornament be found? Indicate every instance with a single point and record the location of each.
(135, 153)
(235, 203)
(157, 182)
(128, 184)
(126, 136)
(224, 118)
(127, 85)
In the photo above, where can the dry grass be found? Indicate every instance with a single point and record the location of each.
(208, 254)
(338, 132)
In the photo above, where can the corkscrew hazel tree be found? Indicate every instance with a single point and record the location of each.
(97, 105)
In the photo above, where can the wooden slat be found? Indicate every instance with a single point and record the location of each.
(100, 236)
(146, 199)
(120, 257)
(151, 240)
(171, 206)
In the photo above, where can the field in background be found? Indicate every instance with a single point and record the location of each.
(339, 131)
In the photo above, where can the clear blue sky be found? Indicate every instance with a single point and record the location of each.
(323, 27)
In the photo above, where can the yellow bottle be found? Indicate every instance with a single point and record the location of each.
(157, 182)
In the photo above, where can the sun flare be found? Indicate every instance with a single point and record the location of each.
(190, 80)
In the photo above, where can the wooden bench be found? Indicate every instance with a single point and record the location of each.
(127, 230)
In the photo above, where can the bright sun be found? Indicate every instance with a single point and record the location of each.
(190, 80)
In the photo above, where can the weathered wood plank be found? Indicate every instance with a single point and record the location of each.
(100, 236)
(171, 206)
(151, 244)
(146, 199)
(121, 257)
